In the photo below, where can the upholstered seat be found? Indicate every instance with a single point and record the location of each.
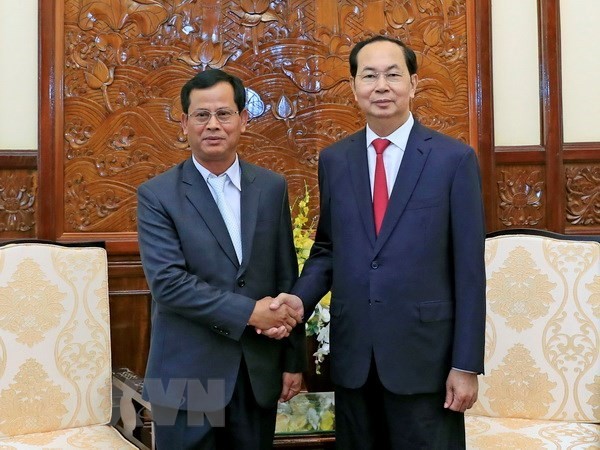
(55, 366)
(542, 383)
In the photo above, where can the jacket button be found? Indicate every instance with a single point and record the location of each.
(241, 282)
(374, 265)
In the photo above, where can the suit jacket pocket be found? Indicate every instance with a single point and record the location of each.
(436, 311)
(423, 202)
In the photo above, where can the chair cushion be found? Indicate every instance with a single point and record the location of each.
(99, 437)
(488, 433)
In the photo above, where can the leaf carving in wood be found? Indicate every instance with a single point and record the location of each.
(147, 15)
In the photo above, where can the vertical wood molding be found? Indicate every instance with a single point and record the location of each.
(484, 106)
(551, 102)
(49, 92)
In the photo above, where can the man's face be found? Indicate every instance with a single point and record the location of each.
(213, 143)
(383, 86)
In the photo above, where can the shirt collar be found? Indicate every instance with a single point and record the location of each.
(399, 137)
(233, 172)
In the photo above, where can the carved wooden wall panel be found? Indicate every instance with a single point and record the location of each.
(583, 197)
(125, 62)
(18, 193)
(522, 196)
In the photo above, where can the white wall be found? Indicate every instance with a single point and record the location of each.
(18, 74)
(515, 72)
(580, 29)
(516, 83)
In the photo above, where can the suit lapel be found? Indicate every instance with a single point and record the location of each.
(413, 161)
(249, 210)
(359, 175)
(198, 193)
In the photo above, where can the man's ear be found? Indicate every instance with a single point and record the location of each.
(353, 86)
(184, 123)
(414, 81)
(244, 116)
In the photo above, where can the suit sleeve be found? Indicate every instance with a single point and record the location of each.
(172, 286)
(295, 359)
(315, 279)
(468, 243)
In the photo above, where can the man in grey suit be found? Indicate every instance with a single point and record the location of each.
(216, 243)
(400, 243)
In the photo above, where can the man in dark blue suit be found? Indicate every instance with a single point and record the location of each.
(400, 244)
(213, 254)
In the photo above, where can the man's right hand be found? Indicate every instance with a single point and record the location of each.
(282, 318)
(283, 300)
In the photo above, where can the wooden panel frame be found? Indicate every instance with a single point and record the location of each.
(18, 159)
(483, 104)
(50, 163)
(552, 155)
(50, 114)
(550, 87)
(125, 243)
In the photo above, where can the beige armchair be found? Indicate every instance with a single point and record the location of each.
(55, 365)
(541, 389)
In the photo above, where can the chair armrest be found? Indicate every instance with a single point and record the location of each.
(134, 413)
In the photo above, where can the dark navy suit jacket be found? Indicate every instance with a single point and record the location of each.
(414, 296)
(202, 297)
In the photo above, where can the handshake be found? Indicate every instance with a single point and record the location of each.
(276, 317)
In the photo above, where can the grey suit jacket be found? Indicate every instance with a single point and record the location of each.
(202, 296)
(412, 297)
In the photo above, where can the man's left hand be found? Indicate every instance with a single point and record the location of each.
(292, 383)
(461, 390)
(283, 299)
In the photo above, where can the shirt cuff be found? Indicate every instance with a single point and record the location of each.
(466, 371)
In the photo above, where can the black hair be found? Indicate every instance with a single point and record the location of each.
(409, 54)
(208, 78)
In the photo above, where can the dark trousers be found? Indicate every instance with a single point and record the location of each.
(373, 418)
(247, 425)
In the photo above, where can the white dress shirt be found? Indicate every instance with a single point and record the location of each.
(392, 156)
(232, 189)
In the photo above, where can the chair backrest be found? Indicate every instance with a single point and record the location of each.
(55, 367)
(542, 330)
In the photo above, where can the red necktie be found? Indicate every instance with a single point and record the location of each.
(380, 192)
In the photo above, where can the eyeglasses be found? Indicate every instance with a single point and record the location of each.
(373, 77)
(202, 116)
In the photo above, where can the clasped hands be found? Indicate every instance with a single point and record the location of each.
(276, 317)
